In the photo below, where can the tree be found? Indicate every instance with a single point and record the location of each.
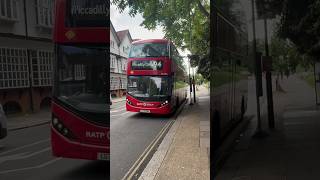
(175, 16)
(300, 23)
(286, 56)
(185, 22)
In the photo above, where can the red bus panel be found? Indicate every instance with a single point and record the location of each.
(64, 34)
(153, 76)
(88, 140)
(80, 130)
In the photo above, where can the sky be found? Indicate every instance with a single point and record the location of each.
(122, 21)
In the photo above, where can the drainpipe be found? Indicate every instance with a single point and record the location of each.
(28, 56)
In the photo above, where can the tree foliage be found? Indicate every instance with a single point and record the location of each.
(185, 22)
(300, 23)
(286, 56)
(174, 16)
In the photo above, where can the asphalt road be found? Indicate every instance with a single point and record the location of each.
(26, 154)
(131, 133)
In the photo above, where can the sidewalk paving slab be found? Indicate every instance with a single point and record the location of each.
(291, 150)
(187, 156)
(16, 122)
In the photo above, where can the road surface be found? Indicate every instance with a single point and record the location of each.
(131, 133)
(26, 154)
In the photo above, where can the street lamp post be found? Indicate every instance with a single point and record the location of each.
(269, 80)
(259, 132)
(190, 82)
(194, 87)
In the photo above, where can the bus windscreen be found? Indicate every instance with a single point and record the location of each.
(149, 50)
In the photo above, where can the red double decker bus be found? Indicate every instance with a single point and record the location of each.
(80, 113)
(157, 81)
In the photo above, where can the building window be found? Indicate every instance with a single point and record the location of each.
(119, 66)
(112, 62)
(42, 68)
(13, 68)
(9, 9)
(123, 83)
(79, 72)
(124, 65)
(44, 11)
(112, 44)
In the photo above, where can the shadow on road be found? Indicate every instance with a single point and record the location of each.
(150, 116)
(93, 170)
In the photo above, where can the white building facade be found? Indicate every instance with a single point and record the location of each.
(120, 43)
(26, 53)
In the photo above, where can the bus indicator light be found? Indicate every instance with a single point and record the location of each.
(70, 35)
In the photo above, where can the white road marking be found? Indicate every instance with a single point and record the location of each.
(32, 167)
(22, 155)
(119, 114)
(118, 110)
(25, 146)
(12, 157)
(119, 107)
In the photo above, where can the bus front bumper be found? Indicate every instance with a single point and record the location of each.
(161, 110)
(63, 147)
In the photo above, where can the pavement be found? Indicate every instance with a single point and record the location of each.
(132, 134)
(184, 151)
(291, 150)
(19, 121)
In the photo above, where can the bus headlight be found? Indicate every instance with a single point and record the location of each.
(55, 121)
(61, 128)
(129, 102)
(165, 103)
(65, 131)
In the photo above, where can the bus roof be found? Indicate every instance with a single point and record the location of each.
(162, 41)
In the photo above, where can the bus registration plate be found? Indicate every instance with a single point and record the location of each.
(145, 111)
(102, 156)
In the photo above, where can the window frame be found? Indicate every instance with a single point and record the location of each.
(42, 68)
(13, 6)
(44, 13)
(14, 71)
